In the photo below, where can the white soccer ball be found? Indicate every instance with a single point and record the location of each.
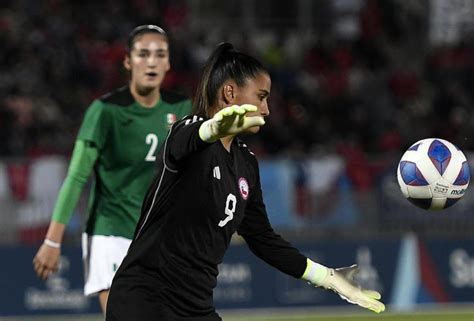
(433, 174)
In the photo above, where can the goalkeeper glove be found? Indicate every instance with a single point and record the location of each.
(341, 281)
(229, 121)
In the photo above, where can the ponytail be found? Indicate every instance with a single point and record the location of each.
(202, 100)
(223, 64)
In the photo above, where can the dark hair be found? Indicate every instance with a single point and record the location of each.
(223, 64)
(141, 30)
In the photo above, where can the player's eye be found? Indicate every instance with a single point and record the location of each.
(162, 53)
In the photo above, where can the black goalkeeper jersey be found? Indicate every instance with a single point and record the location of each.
(200, 197)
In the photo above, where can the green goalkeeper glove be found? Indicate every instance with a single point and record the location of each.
(341, 281)
(229, 121)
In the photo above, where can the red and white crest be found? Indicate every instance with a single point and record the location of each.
(170, 119)
(243, 188)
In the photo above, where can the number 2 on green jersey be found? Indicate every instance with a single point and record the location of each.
(152, 140)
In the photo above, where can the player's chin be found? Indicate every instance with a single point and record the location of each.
(152, 82)
(253, 130)
(146, 87)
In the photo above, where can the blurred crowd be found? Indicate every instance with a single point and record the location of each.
(354, 83)
(359, 78)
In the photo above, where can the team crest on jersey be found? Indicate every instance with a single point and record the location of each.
(243, 188)
(170, 119)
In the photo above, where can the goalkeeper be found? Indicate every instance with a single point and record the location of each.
(207, 188)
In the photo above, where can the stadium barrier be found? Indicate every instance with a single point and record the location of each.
(407, 271)
(318, 195)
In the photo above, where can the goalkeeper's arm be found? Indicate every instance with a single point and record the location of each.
(229, 121)
(341, 281)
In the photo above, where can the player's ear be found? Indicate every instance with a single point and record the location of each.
(228, 94)
(126, 63)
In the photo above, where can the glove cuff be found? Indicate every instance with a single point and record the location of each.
(315, 273)
(206, 131)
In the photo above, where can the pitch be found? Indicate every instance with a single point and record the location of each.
(464, 313)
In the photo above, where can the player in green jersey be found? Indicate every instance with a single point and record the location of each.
(119, 139)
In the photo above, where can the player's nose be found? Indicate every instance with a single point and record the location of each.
(264, 111)
(152, 61)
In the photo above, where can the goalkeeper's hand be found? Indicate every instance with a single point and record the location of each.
(229, 121)
(341, 281)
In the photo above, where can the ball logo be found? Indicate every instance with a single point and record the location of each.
(458, 192)
(243, 188)
(439, 188)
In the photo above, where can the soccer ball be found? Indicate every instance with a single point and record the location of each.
(433, 174)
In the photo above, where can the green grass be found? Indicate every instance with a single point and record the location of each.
(382, 317)
(461, 314)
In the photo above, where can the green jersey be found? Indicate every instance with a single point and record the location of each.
(128, 137)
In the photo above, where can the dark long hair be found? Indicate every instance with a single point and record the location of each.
(223, 64)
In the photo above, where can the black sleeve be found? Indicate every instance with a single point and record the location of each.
(262, 239)
(183, 140)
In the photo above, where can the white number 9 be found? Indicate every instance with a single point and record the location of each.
(230, 205)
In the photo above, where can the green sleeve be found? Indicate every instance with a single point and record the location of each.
(83, 159)
(95, 124)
